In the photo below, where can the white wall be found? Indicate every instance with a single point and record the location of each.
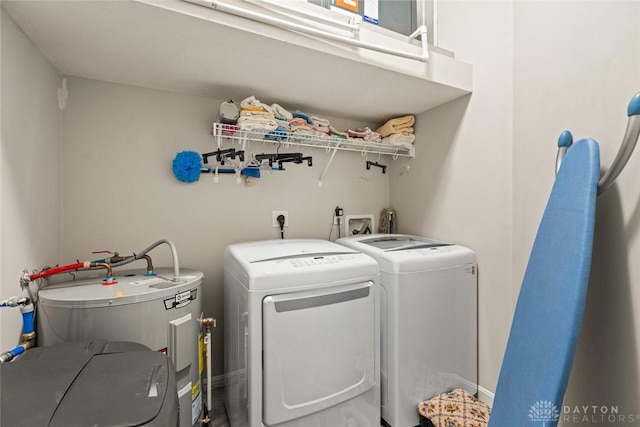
(120, 193)
(459, 186)
(576, 66)
(30, 174)
(485, 166)
(481, 177)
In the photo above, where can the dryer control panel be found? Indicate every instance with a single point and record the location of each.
(319, 260)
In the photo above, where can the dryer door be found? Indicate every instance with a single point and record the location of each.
(318, 349)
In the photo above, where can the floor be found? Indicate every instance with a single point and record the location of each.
(218, 413)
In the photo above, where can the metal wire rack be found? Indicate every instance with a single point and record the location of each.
(222, 131)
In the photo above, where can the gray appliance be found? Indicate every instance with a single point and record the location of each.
(156, 311)
(98, 383)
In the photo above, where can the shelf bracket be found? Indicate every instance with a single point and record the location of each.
(376, 164)
(326, 168)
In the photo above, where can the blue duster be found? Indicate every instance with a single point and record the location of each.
(186, 166)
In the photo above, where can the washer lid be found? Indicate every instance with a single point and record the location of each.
(399, 242)
(400, 253)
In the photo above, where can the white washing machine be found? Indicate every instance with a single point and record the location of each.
(301, 335)
(428, 320)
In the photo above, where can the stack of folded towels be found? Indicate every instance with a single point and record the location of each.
(305, 124)
(277, 123)
(365, 134)
(282, 117)
(398, 131)
(256, 116)
(320, 125)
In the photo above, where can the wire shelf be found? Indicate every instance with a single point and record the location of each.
(329, 143)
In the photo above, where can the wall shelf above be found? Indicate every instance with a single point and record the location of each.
(180, 47)
(230, 132)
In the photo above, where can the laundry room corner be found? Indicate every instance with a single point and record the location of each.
(458, 188)
(137, 198)
(30, 182)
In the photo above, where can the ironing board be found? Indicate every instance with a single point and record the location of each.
(546, 324)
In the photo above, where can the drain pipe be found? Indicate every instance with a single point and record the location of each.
(28, 331)
(208, 323)
(141, 254)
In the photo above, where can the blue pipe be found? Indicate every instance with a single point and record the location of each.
(27, 319)
(28, 334)
(17, 351)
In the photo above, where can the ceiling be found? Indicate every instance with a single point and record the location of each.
(179, 47)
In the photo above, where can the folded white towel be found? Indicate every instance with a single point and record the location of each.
(399, 140)
(319, 121)
(257, 127)
(370, 135)
(282, 123)
(251, 113)
(321, 129)
(280, 112)
(251, 101)
(256, 122)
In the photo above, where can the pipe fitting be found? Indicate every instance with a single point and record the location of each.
(103, 265)
(24, 280)
(118, 258)
(29, 337)
(208, 322)
(7, 356)
(149, 265)
(15, 302)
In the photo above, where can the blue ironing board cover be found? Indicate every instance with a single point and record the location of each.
(546, 324)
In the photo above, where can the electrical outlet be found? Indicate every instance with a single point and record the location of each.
(338, 212)
(274, 218)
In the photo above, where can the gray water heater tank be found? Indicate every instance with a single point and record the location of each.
(156, 311)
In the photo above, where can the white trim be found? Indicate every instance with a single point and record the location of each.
(219, 381)
(302, 9)
(305, 29)
(486, 396)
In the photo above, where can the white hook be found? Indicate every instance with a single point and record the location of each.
(405, 168)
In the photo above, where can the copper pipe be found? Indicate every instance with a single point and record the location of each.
(103, 265)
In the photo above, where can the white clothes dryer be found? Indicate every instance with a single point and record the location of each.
(428, 320)
(301, 335)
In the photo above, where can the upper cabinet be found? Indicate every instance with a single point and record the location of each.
(183, 47)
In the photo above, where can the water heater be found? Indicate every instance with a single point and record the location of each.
(158, 311)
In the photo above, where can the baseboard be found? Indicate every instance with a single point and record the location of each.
(486, 396)
(219, 381)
